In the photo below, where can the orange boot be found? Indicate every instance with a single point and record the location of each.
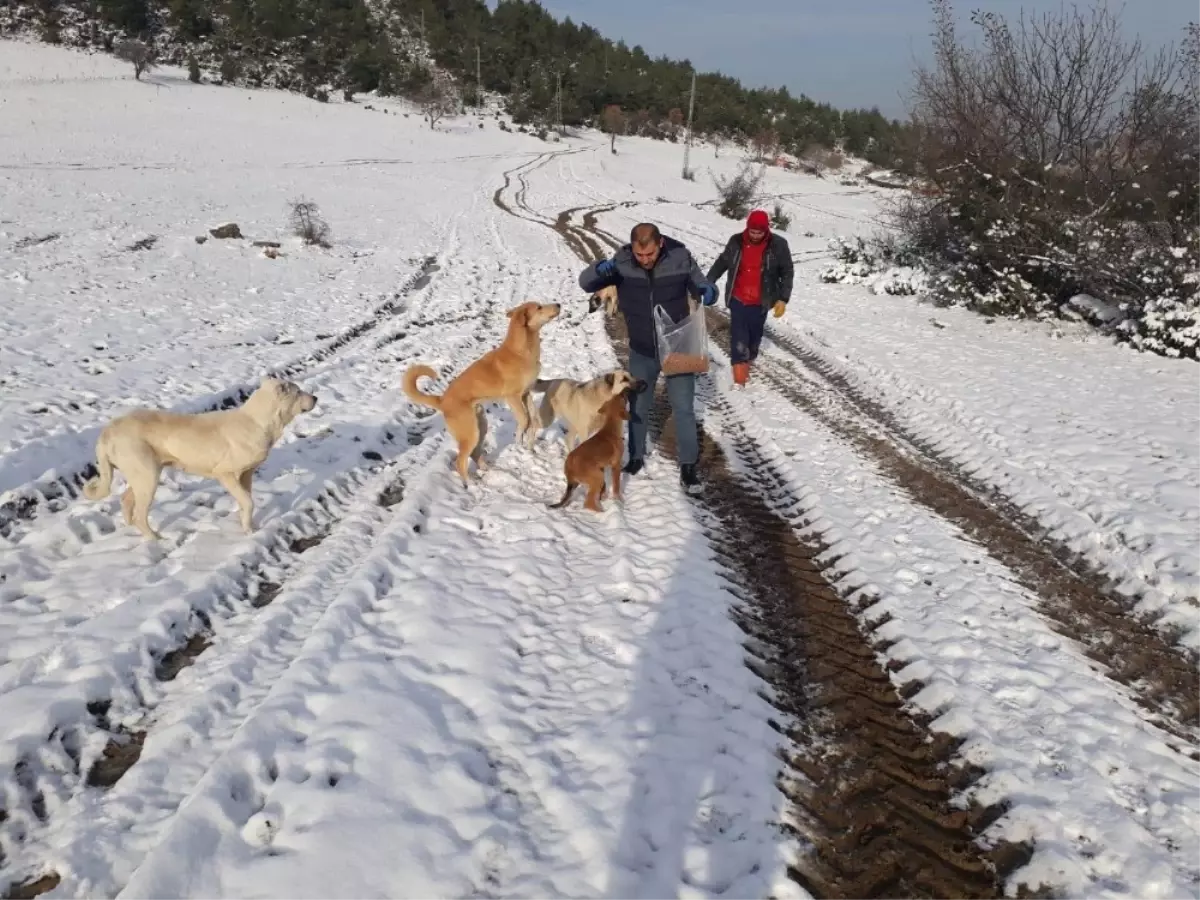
(741, 373)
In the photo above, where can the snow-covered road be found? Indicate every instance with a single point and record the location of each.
(875, 653)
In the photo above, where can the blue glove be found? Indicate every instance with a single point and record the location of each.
(606, 268)
(708, 294)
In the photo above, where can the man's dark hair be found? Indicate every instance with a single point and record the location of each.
(644, 233)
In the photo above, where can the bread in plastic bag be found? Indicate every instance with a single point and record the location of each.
(682, 345)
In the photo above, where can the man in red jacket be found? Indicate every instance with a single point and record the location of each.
(759, 264)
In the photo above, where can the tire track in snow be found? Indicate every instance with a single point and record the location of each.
(873, 789)
(190, 754)
(1085, 605)
(1165, 689)
(34, 577)
(1080, 602)
(90, 745)
(202, 710)
(55, 490)
(96, 726)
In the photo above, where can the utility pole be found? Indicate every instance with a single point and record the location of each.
(478, 79)
(687, 140)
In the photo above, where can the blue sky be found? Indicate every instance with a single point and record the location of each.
(849, 53)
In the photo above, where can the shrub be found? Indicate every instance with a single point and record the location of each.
(780, 221)
(140, 54)
(308, 225)
(1059, 160)
(738, 192)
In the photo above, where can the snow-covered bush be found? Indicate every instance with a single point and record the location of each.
(880, 263)
(1046, 177)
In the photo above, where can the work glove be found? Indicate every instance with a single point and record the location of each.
(779, 309)
(606, 268)
(708, 294)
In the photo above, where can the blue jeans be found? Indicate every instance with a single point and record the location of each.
(681, 391)
(746, 324)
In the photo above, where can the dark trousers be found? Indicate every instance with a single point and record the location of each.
(746, 324)
(681, 391)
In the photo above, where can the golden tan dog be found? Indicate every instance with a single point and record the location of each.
(603, 450)
(505, 373)
(578, 403)
(606, 297)
(227, 445)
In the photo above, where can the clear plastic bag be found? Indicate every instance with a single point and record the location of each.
(683, 345)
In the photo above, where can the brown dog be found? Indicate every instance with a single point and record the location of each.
(506, 373)
(603, 450)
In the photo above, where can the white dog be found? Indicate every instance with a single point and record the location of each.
(227, 445)
(579, 403)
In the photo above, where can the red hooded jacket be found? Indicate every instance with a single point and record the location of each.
(747, 284)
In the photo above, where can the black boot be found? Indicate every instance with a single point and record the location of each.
(633, 466)
(688, 476)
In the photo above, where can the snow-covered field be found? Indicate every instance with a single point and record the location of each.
(399, 688)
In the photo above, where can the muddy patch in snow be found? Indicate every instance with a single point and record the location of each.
(1082, 605)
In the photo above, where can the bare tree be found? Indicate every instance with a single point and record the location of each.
(308, 224)
(438, 99)
(613, 121)
(764, 144)
(140, 54)
(1059, 157)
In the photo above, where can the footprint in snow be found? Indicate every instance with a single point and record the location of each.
(605, 648)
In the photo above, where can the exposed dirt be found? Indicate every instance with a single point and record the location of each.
(180, 658)
(871, 788)
(1080, 605)
(120, 753)
(27, 890)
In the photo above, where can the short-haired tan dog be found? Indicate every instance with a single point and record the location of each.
(603, 450)
(578, 403)
(606, 297)
(505, 373)
(227, 444)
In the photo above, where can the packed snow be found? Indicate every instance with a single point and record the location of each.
(461, 692)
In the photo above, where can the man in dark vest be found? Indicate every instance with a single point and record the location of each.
(759, 264)
(649, 271)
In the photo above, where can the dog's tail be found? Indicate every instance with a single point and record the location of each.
(566, 498)
(414, 393)
(101, 486)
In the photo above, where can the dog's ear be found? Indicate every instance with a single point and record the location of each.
(611, 380)
(520, 314)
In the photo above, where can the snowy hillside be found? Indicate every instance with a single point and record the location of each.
(931, 627)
